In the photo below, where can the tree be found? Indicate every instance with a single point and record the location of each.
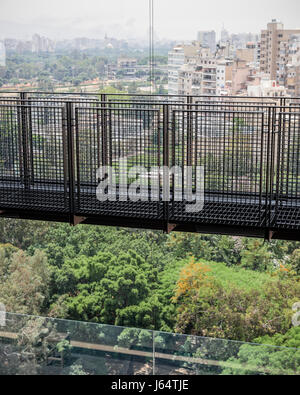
(267, 359)
(33, 344)
(207, 308)
(295, 260)
(12, 231)
(109, 289)
(256, 255)
(24, 282)
(207, 247)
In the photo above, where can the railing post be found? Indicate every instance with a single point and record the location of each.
(283, 102)
(269, 170)
(280, 153)
(189, 130)
(71, 172)
(65, 156)
(24, 137)
(273, 165)
(104, 129)
(166, 163)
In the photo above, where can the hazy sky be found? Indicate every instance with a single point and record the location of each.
(174, 19)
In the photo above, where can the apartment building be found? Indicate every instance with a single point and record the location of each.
(292, 69)
(247, 54)
(179, 56)
(198, 75)
(241, 72)
(195, 70)
(128, 66)
(223, 76)
(274, 41)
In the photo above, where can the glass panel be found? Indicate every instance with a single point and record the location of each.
(45, 346)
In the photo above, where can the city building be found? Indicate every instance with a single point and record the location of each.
(42, 44)
(198, 76)
(179, 56)
(240, 40)
(264, 87)
(207, 39)
(176, 60)
(274, 41)
(225, 50)
(247, 54)
(241, 72)
(127, 66)
(223, 75)
(289, 65)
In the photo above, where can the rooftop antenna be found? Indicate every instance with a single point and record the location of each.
(151, 45)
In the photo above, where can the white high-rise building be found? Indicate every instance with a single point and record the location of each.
(180, 55)
(175, 62)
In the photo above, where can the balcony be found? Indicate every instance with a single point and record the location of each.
(44, 346)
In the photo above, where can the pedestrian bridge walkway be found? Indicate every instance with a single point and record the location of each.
(52, 145)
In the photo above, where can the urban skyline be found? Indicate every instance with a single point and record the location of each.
(265, 64)
(18, 20)
(239, 65)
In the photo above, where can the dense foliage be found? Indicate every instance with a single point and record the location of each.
(215, 286)
(212, 286)
(74, 67)
(269, 360)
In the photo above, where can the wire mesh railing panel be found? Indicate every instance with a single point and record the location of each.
(124, 139)
(230, 147)
(34, 170)
(13, 155)
(48, 144)
(294, 107)
(245, 104)
(145, 97)
(10, 143)
(265, 108)
(291, 101)
(4, 99)
(62, 96)
(238, 99)
(288, 172)
(40, 100)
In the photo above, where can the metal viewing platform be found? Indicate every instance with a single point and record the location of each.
(51, 146)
